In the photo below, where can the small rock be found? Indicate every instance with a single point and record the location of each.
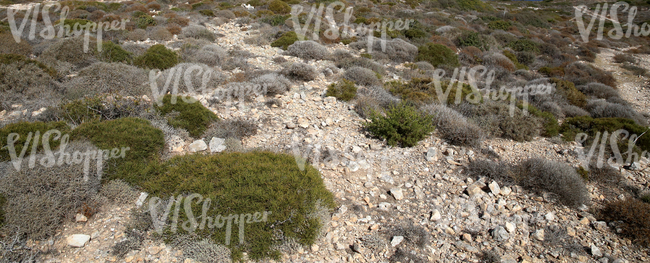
(397, 193)
(435, 215)
(506, 190)
(474, 189)
(314, 248)
(80, 218)
(387, 178)
(78, 240)
(356, 149)
(595, 251)
(584, 221)
(217, 145)
(396, 240)
(432, 155)
(354, 166)
(291, 125)
(383, 206)
(467, 237)
(510, 227)
(198, 146)
(339, 246)
(450, 231)
(141, 198)
(356, 248)
(500, 234)
(539, 234)
(550, 217)
(600, 225)
(494, 188)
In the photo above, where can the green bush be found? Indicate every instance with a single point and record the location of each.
(239, 183)
(514, 60)
(471, 39)
(193, 117)
(499, 24)
(551, 126)
(644, 198)
(145, 144)
(23, 129)
(285, 40)
(583, 124)
(275, 20)
(104, 107)
(552, 72)
(13, 58)
(279, 7)
(414, 33)
(403, 125)
(524, 44)
(634, 216)
(157, 57)
(207, 12)
(568, 90)
(437, 54)
(145, 21)
(344, 90)
(424, 91)
(112, 52)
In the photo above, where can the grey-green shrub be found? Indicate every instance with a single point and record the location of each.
(362, 76)
(308, 49)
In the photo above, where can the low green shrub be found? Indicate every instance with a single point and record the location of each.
(499, 25)
(514, 60)
(8, 59)
(424, 91)
(552, 72)
(524, 44)
(157, 57)
(145, 21)
(279, 7)
(90, 109)
(193, 117)
(551, 126)
(471, 39)
(240, 183)
(144, 141)
(437, 54)
(344, 90)
(591, 126)
(568, 90)
(632, 217)
(403, 125)
(207, 12)
(23, 129)
(275, 20)
(285, 40)
(112, 52)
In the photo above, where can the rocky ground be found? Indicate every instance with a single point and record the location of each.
(415, 202)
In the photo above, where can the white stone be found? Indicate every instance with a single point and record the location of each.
(494, 188)
(354, 166)
(197, 146)
(595, 251)
(396, 240)
(539, 235)
(397, 193)
(510, 227)
(80, 218)
(141, 198)
(78, 240)
(435, 215)
(217, 145)
(432, 155)
(550, 217)
(356, 149)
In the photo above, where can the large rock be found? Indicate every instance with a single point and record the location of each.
(500, 234)
(217, 145)
(78, 240)
(397, 193)
(198, 146)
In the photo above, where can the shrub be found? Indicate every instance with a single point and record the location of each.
(347, 63)
(581, 73)
(499, 25)
(552, 72)
(632, 217)
(622, 57)
(237, 129)
(207, 12)
(137, 35)
(119, 192)
(9, 46)
(157, 57)
(584, 124)
(362, 76)
(145, 21)
(550, 124)
(471, 39)
(225, 14)
(40, 199)
(201, 250)
(21, 62)
(193, 117)
(437, 55)
(198, 32)
(371, 99)
(211, 55)
(514, 59)
(344, 90)
(308, 50)
(194, 78)
(454, 127)
(403, 125)
(396, 50)
(285, 40)
(424, 91)
(70, 50)
(160, 33)
(144, 141)
(23, 129)
(496, 59)
(246, 183)
(524, 45)
(568, 90)
(300, 71)
(636, 70)
(101, 78)
(604, 109)
(275, 83)
(558, 178)
(501, 172)
(279, 7)
(112, 52)
(105, 107)
(495, 120)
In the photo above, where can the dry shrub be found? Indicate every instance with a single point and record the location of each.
(119, 192)
(70, 50)
(27, 83)
(604, 109)
(211, 55)
(470, 55)
(495, 120)
(137, 7)
(622, 57)
(160, 33)
(397, 50)
(173, 18)
(374, 98)
(195, 76)
(174, 29)
(9, 46)
(275, 83)
(40, 199)
(362, 76)
(300, 71)
(237, 129)
(443, 41)
(581, 73)
(454, 127)
(632, 217)
(153, 6)
(96, 15)
(598, 90)
(498, 60)
(137, 35)
(308, 50)
(114, 78)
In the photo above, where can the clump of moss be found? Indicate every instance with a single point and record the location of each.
(285, 40)
(193, 117)
(241, 183)
(344, 90)
(403, 125)
(437, 55)
(144, 141)
(157, 57)
(23, 129)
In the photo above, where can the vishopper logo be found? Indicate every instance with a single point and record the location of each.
(49, 31)
(601, 14)
(334, 31)
(50, 159)
(614, 138)
(160, 220)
